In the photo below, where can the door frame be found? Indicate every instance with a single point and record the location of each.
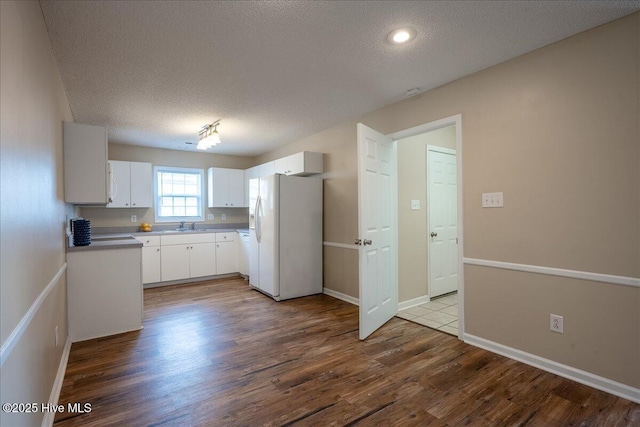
(442, 150)
(424, 128)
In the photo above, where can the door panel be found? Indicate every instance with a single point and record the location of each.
(376, 213)
(443, 248)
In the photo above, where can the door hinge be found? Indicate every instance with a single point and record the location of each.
(456, 240)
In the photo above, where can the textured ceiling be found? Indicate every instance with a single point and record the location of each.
(155, 72)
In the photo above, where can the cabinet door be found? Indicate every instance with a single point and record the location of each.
(243, 253)
(120, 183)
(203, 259)
(151, 264)
(85, 164)
(218, 188)
(249, 174)
(141, 185)
(236, 188)
(267, 169)
(226, 257)
(290, 165)
(174, 262)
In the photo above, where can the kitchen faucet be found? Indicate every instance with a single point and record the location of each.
(193, 225)
(181, 224)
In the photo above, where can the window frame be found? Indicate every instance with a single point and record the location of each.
(157, 197)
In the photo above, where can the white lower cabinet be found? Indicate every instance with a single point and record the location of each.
(104, 293)
(151, 259)
(203, 259)
(243, 253)
(226, 261)
(226, 256)
(192, 255)
(175, 262)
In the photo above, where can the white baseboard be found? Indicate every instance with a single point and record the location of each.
(577, 375)
(341, 296)
(413, 302)
(49, 416)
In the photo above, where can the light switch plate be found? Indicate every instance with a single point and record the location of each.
(134, 218)
(224, 217)
(210, 217)
(415, 205)
(493, 200)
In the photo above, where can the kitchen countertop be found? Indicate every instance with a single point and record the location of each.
(129, 240)
(173, 232)
(113, 241)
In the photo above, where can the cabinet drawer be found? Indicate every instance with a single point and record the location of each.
(149, 240)
(187, 238)
(225, 237)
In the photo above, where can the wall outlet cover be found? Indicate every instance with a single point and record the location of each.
(556, 323)
(134, 218)
(224, 217)
(415, 205)
(210, 217)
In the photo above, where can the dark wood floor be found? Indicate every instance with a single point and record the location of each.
(218, 354)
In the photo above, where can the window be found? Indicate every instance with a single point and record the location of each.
(178, 194)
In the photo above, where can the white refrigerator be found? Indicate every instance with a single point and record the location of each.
(285, 227)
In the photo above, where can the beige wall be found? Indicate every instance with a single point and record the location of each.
(107, 217)
(32, 107)
(557, 130)
(413, 261)
(340, 219)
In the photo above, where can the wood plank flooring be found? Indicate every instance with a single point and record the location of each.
(218, 354)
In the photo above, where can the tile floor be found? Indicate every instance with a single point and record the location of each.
(439, 313)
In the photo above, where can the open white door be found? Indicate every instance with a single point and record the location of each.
(377, 206)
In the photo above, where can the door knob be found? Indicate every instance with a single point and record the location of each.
(434, 234)
(358, 242)
(367, 242)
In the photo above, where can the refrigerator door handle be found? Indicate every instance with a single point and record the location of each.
(258, 219)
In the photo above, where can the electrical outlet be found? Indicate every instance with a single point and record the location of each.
(56, 335)
(134, 218)
(556, 323)
(210, 217)
(415, 205)
(224, 217)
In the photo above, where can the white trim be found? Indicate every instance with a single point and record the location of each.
(551, 271)
(16, 334)
(203, 194)
(417, 130)
(49, 416)
(413, 302)
(341, 245)
(341, 296)
(565, 371)
(427, 127)
(442, 150)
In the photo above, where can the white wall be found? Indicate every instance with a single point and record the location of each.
(33, 105)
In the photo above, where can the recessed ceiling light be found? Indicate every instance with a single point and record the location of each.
(402, 35)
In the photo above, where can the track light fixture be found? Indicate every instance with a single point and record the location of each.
(208, 136)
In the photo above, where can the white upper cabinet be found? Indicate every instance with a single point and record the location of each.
(249, 174)
(267, 169)
(304, 163)
(131, 184)
(225, 188)
(85, 164)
